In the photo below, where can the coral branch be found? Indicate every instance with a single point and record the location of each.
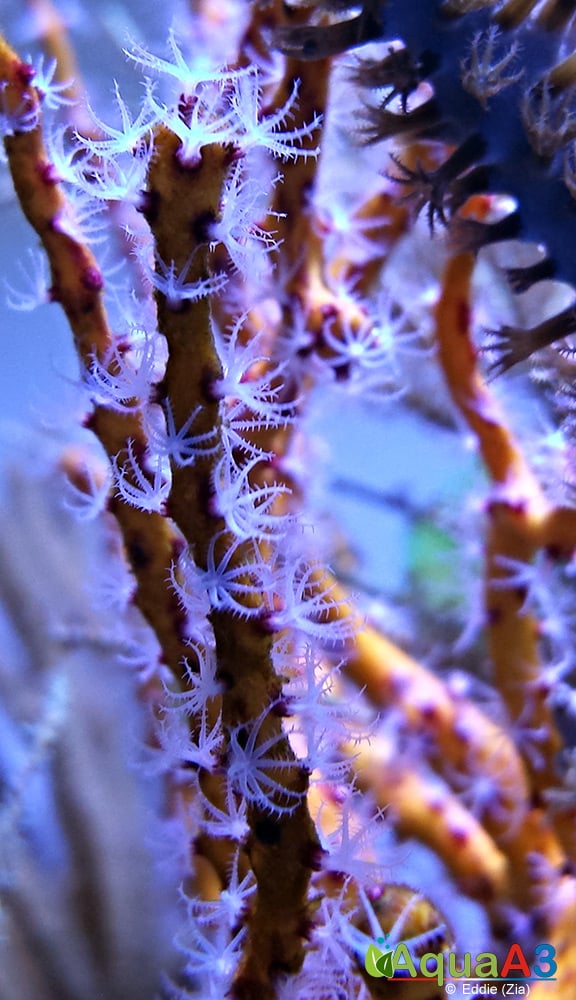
(517, 515)
(77, 285)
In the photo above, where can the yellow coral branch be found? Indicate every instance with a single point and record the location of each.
(419, 807)
(518, 515)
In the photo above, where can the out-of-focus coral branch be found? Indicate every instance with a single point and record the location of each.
(53, 33)
(517, 514)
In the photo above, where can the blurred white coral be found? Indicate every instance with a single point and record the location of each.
(86, 902)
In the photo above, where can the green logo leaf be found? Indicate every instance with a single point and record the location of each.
(379, 963)
(385, 964)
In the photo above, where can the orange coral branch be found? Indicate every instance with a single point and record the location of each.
(77, 285)
(518, 515)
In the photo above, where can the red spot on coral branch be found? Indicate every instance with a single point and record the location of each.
(48, 173)
(92, 279)
(25, 73)
(463, 317)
